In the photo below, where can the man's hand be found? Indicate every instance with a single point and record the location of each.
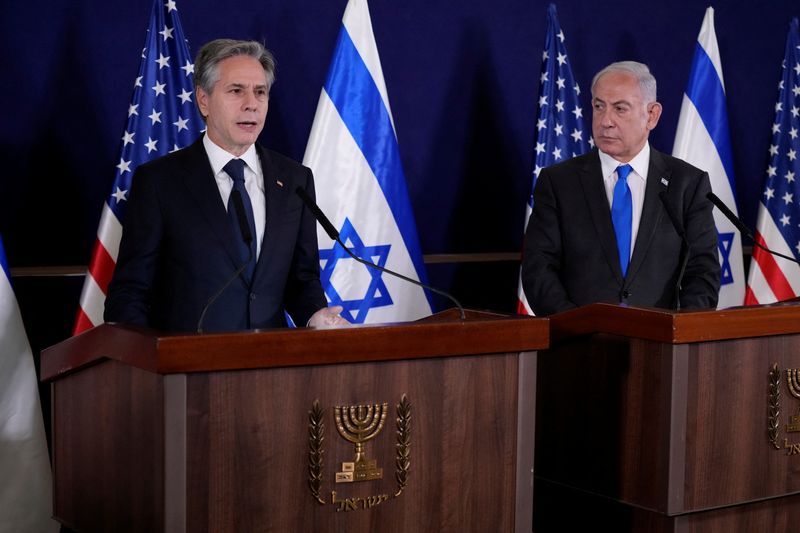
(327, 316)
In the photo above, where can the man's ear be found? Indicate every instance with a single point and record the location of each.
(202, 102)
(653, 114)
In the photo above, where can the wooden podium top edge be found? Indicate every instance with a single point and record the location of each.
(441, 335)
(678, 327)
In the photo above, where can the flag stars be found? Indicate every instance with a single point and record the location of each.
(166, 33)
(578, 111)
(577, 135)
(793, 133)
(560, 82)
(170, 5)
(792, 155)
(539, 148)
(543, 78)
(133, 109)
(163, 61)
(185, 96)
(175, 148)
(559, 105)
(188, 68)
(562, 58)
(795, 111)
(536, 170)
(557, 153)
(543, 100)
(796, 90)
(771, 171)
(124, 166)
(773, 149)
(138, 82)
(769, 193)
(787, 198)
(785, 219)
(797, 68)
(591, 142)
(545, 56)
(541, 124)
(159, 88)
(776, 128)
(577, 90)
(789, 176)
(778, 107)
(559, 129)
(561, 37)
(181, 123)
(151, 145)
(127, 138)
(119, 195)
(154, 117)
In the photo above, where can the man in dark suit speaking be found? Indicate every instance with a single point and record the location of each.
(184, 235)
(599, 230)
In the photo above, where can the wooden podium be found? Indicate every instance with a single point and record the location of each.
(656, 421)
(238, 432)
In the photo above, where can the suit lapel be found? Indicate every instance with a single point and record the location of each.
(651, 210)
(594, 193)
(199, 180)
(275, 190)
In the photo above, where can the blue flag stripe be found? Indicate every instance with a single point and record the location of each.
(357, 99)
(3, 260)
(708, 96)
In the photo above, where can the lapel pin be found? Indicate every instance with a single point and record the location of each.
(279, 182)
(665, 182)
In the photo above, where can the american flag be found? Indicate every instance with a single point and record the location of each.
(774, 278)
(162, 118)
(560, 131)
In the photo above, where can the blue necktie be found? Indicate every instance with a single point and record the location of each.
(622, 215)
(235, 169)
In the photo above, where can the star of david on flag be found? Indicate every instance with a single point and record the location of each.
(560, 132)
(361, 187)
(703, 139)
(773, 278)
(162, 118)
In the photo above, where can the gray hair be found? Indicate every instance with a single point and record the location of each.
(640, 71)
(206, 64)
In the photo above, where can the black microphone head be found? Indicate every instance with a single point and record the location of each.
(729, 215)
(318, 214)
(238, 206)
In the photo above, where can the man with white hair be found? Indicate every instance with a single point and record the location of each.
(601, 229)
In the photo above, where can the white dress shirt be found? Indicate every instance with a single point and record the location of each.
(636, 182)
(253, 182)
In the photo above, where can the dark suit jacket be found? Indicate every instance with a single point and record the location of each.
(570, 256)
(177, 250)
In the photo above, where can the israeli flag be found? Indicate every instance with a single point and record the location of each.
(703, 139)
(360, 185)
(27, 492)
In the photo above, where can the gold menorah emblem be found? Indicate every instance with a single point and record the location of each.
(793, 383)
(359, 424)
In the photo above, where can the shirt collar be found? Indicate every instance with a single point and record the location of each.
(640, 163)
(219, 157)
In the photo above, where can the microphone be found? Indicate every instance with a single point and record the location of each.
(678, 225)
(736, 221)
(334, 234)
(238, 207)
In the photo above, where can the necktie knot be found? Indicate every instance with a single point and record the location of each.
(235, 169)
(623, 171)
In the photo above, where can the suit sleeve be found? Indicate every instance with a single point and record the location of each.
(700, 284)
(304, 296)
(129, 292)
(542, 252)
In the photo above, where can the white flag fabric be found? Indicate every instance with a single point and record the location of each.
(360, 185)
(703, 139)
(26, 484)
